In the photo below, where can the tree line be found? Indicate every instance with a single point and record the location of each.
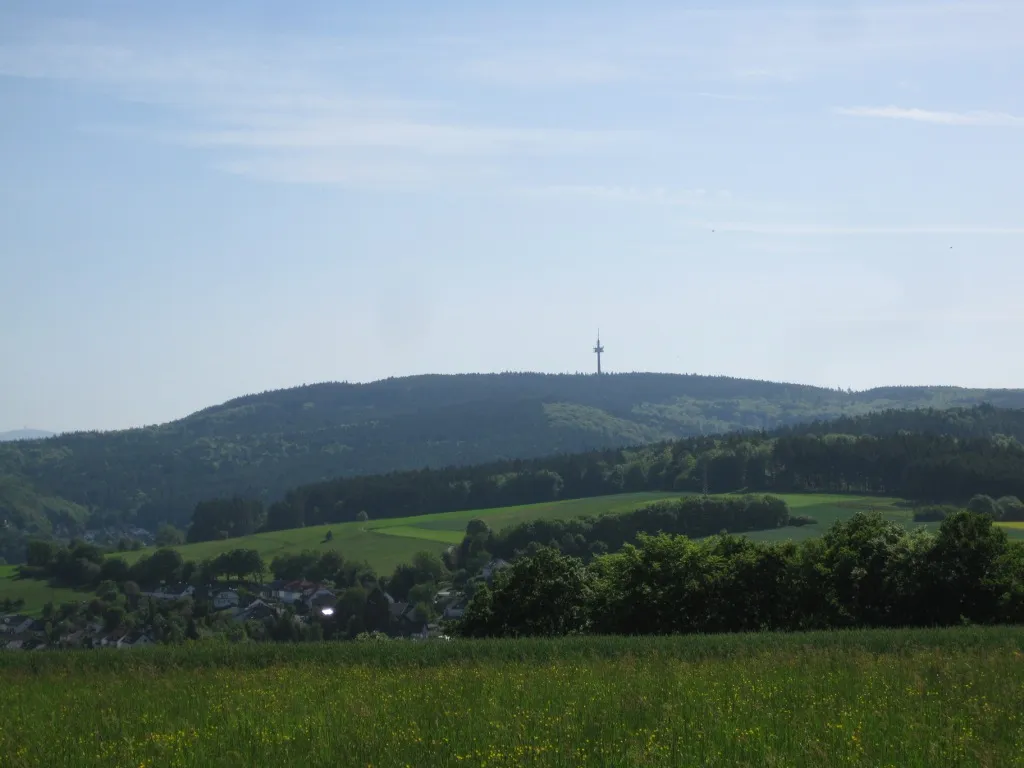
(959, 455)
(864, 572)
(587, 537)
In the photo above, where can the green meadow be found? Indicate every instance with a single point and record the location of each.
(36, 594)
(889, 698)
(387, 543)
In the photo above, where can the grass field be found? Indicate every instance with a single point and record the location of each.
(387, 543)
(35, 593)
(911, 699)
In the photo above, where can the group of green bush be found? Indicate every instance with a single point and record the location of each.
(864, 572)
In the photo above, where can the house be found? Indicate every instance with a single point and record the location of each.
(134, 640)
(16, 623)
(493, 567)
(272, 589)
(446, 597)
(22, 641)
(292, 591)
(171, 592)
(430, 632)
(455, 610)
(227, 598)
(256, 610)
(112, 639)
(320, 597)
(403, 618)
(73, 639)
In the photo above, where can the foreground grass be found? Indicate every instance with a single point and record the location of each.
(912, 698)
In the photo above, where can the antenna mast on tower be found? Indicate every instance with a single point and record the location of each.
(598, 349)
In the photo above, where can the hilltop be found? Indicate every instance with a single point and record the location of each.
(24, 434)
(261, 445)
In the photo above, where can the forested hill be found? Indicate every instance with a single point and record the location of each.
(261, 445)
(957, 454)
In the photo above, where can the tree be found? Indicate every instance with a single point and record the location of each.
(41, 553)
(964, 573)
(225, 518)
(328, 566)
(402, 580)
(548, 594)
(1010, 508)
(240, 563)
(169, 536)
(164, 565)
(428, 566)
(298, 565)
(114, 569)
(984, 505)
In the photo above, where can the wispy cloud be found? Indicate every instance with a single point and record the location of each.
(931, 116)
(627, 194)
(292, 111)
(409, 134)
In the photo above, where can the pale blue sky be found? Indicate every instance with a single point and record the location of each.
(198, 204)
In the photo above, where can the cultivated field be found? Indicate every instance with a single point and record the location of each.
(907, 699)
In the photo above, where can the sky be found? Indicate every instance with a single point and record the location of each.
(203, 200)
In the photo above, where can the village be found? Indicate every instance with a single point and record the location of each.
(233, 610)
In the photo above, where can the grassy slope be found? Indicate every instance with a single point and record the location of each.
(386, 543)
(35, 593)
(910, 698)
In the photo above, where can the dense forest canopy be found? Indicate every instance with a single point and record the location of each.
(957, 454)
(262, 445)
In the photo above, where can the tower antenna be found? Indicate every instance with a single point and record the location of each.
(598, 349)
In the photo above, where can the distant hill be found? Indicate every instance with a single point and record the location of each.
(24, 434)
(261, 445)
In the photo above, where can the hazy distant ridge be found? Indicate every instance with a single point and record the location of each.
(261, 445)
(25, 434)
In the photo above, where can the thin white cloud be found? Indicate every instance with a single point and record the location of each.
(625, 194)
(930, 116)
(292, 111)
(351, 131)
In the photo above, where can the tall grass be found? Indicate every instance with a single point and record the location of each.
(886, 698)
